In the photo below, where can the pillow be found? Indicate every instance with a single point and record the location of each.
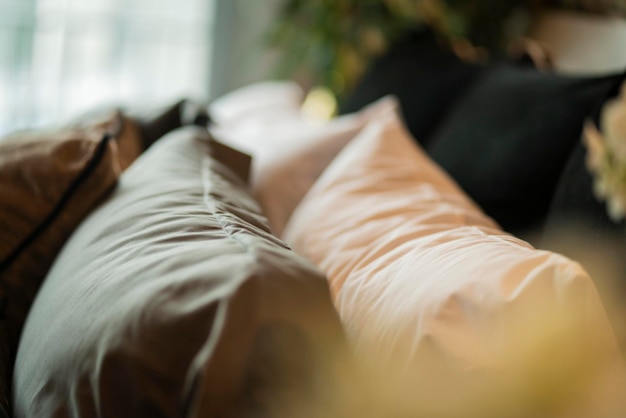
(173, 299)
(290, 151)
(156, 123)
(578, 224)
(415, 267)
(425, 75)
(508, 138)
(259, 100)
(126, 132)
(49, 181)
(149, 124)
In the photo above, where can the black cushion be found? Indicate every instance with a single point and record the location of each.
(160, 121)
(425, 76)
(578, 224)
(575, 202)
(508, 139)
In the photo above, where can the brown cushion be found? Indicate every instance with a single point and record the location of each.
(157, 122)
(124, 129)
(172, 299)
(49, 181)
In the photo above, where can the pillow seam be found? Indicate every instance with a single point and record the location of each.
(54, 213)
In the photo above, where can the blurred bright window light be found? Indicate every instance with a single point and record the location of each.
(62, 58)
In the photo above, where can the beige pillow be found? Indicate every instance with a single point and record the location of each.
(173, 299)
(415, 267)
(290, 151)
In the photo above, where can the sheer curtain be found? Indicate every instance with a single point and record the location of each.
(59, 58)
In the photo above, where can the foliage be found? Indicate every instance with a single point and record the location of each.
(332, 41)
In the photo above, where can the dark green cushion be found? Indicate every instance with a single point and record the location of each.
(508, 139)
(425, 76)
(578, 224)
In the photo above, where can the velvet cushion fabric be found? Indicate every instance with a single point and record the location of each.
(504, 131)
(416, 269)
(173, 299)
(578, 224)
(507, 140)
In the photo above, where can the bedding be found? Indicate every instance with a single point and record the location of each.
(48, 186)
(176, 298)
(156, 123)
(579, 227)
(290, 150)
(419, 274)
(173, 299)
(49, 181)
(507, 139)
(502, 130)
(578, 224)
(426, 77)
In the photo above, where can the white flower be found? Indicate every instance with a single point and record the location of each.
(614, 127)
(615, 207)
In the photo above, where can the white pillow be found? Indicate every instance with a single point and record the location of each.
(289, 150)
(261, 100)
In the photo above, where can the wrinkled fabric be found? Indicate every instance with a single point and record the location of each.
(165, 295)
(415, 266)
(290, 150)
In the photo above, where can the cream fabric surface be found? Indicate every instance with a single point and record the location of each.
(264, 100)
(289, 150)
(173, 299)
(415, 267)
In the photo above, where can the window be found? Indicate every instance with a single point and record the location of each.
(60, 58)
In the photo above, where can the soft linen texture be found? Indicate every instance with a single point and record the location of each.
(290, 150)
(172, 299)
(415, 267)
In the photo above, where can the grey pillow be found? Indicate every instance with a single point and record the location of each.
(173, 299)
